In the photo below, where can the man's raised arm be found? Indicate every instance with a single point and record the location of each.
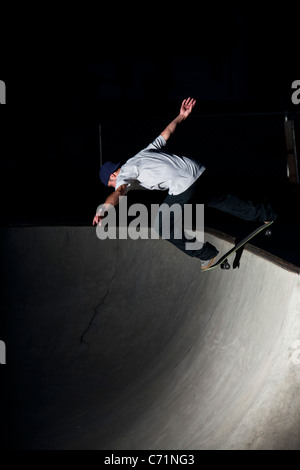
(185, 110)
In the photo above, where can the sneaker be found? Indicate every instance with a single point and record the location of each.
(207, 262)
(272, 219)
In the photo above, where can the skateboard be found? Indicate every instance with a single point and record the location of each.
(223, 261)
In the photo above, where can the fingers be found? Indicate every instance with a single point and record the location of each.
(189, 102)
(97, 220)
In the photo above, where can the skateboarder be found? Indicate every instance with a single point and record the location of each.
(154, 168)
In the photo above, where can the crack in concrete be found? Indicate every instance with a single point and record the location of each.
(96, 312)
(82, 341)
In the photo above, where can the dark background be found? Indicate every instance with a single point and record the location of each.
(128, 69)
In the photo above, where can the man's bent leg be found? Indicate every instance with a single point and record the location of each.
(208, 193)
(174, 232)
(245, 210)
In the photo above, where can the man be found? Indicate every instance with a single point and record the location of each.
(153, 168)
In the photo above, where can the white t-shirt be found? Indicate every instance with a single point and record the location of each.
(153, 168)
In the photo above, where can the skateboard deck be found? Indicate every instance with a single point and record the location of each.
(223, 261)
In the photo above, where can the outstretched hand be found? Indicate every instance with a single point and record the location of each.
(186, 107)
(101, 213)
(185, 110)
(97, 220)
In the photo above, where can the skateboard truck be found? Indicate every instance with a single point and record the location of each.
(239, 252)
(238, 248)
(225, 264)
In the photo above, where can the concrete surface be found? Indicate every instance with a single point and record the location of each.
(128, 345)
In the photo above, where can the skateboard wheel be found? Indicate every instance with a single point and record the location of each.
(225, 265)
(268, 233)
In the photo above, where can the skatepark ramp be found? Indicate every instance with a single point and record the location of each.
(126, 344)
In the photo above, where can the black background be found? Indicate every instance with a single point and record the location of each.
(128, 69)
